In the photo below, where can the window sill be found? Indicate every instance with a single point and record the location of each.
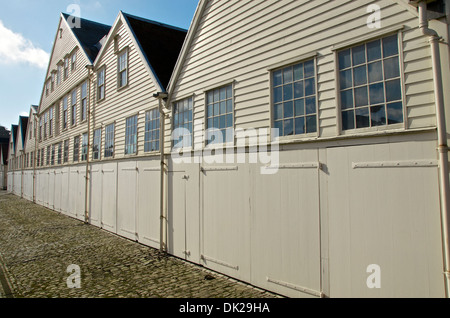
(119, 89)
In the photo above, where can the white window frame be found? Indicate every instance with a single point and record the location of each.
(131, 135)
(186, 144)
(122, 66)
(110, 138)
(101, 84)
(152, 131)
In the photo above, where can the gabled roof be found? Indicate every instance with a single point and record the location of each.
(160, 44)
(157, 44)
(187, 43)
(4, 135)
(14, 135)
(89, 35)
(23, 124)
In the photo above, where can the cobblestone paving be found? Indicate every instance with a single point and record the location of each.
(37, 245)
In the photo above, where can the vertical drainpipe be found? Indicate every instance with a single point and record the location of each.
(86, 210)
(442, 138)
(163, 217)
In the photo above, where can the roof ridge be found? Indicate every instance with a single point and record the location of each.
(168, 26)
(66, 15)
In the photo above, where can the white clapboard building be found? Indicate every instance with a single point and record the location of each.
(299, 146)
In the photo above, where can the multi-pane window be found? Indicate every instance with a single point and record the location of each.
(131, 135)
(45, 124)
(182, 123)
(370, 84)
(76, 149)
(152, 118)
(53, 155)
(52, 80)
(60, 150)
(109, 141)
(40, 128)
(74, 107)
(295, 99)
(96, 144)
(84, 148)
(74, 61)
(38, 159)
(101, 84)
(58, 75)
(50, 122)
(66, 68)
(42, 156)
(123, 69)
(48, 155)
(57, 118)
(66, 151)
(83, 101)
(47, 88)
(219, 114)
(65, 112)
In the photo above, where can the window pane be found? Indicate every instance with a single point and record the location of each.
(299, 107)
(348, 121)
(362, 117)
(395, 113)
(347, 99)
(375, 72)
(229, 106)
(393, 90)
(223, 93)
(288, 109)
(361, 98)
(278, 94)
(223, 107)
(346, 79)
(279, 125)
(359, 55)
(390, 46)
(344, 59)
(309, 87)
(288, 127)
(311, 124)
(300, 126)
(287, 92)
(378, 115)
(309, 69)
(298, 72)
(298, 89)
(360, 75)
(374, 50)
(229, 120)
(376, 93)
(391, 68)
(287, 75)
(310, 105)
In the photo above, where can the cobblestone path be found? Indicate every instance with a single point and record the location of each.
(37, 246)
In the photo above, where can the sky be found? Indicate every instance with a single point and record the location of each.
(27, 32)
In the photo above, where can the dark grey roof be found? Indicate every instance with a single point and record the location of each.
(23, 128)
(89, 35)
(14, 134)
(160, 43)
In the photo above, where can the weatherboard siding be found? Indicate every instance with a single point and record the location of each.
(240, 41)
(119, 104)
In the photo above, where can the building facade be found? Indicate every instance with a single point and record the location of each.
(300, 146)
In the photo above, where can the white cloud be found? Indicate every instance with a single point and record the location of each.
(14, 48)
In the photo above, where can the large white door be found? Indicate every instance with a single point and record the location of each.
(148, 225)
(109, 197)
(127, 200)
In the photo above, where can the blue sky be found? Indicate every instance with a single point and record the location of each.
(27, 31)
